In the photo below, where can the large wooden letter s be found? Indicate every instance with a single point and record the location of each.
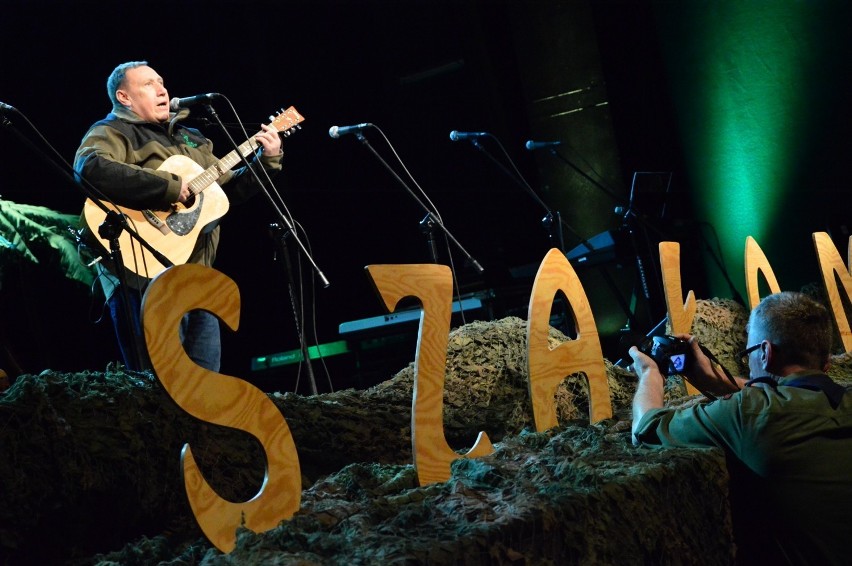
(218, 399)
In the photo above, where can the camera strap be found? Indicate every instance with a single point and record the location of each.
(717, 363)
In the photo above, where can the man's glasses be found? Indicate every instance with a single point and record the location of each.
(747, 352)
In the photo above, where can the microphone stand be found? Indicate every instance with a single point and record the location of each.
(427, 227)
(640, 264)
(631, 233)
(282, 217)
(283, 233)
(279, 236)
(588, 245)
(110, 230)
(430, 221)
(552, 222)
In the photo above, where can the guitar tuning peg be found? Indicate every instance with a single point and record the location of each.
(271, 118)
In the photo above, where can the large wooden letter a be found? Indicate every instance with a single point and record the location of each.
(548, 368)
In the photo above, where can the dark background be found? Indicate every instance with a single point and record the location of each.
(416, 70)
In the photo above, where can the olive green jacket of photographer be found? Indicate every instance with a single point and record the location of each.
(789, 453)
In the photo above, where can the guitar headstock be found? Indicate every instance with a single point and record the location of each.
(285, 121)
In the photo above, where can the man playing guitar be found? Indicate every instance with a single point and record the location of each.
(126, 156)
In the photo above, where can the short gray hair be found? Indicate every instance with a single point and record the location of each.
(116, 79)
(798, 325)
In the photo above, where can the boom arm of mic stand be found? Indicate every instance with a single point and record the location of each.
(550, 220)
(284, 220)
(608, 192)
(431, 220)
(92, 193)
(520, 182)
(110, 230)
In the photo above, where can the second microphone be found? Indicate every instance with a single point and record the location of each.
(337, 131)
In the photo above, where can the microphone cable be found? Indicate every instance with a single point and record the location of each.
(277, 202)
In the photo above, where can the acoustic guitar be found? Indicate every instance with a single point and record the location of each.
(174, 232)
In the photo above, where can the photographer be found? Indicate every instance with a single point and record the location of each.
(786, 433)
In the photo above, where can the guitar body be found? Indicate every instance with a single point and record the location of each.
(173, 232)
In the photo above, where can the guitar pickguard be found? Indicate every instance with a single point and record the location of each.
(182, 223)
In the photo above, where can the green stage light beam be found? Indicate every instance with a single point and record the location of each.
(737, 70)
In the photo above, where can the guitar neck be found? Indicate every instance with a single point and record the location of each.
(212, 173)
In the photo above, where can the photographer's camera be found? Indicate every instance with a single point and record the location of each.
(671, 354)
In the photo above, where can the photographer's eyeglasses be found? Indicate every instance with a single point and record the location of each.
(747, 352)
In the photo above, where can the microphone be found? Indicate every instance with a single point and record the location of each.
(7, 107)
(176, 103)
(337, 131)
(456, 135)
(533, 145)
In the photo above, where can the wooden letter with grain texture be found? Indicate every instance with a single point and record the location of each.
(681, 314)
(433, 286)
(218, 399)
(756, 262)
(831, 263)
(548, 368)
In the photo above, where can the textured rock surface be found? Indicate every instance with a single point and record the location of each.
(90, 464)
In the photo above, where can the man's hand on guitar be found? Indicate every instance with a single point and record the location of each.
(270, 140)
(185, 194)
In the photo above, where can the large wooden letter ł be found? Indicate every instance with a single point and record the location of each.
(433, 285)
(681, 314)
(831, 263)
(219, 399)
(548, 368)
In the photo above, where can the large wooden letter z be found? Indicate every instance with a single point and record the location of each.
(433, 285)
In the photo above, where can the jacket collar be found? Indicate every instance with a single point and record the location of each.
(816, 381)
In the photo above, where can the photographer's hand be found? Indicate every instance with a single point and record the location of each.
(705, 375)
(649, 390)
